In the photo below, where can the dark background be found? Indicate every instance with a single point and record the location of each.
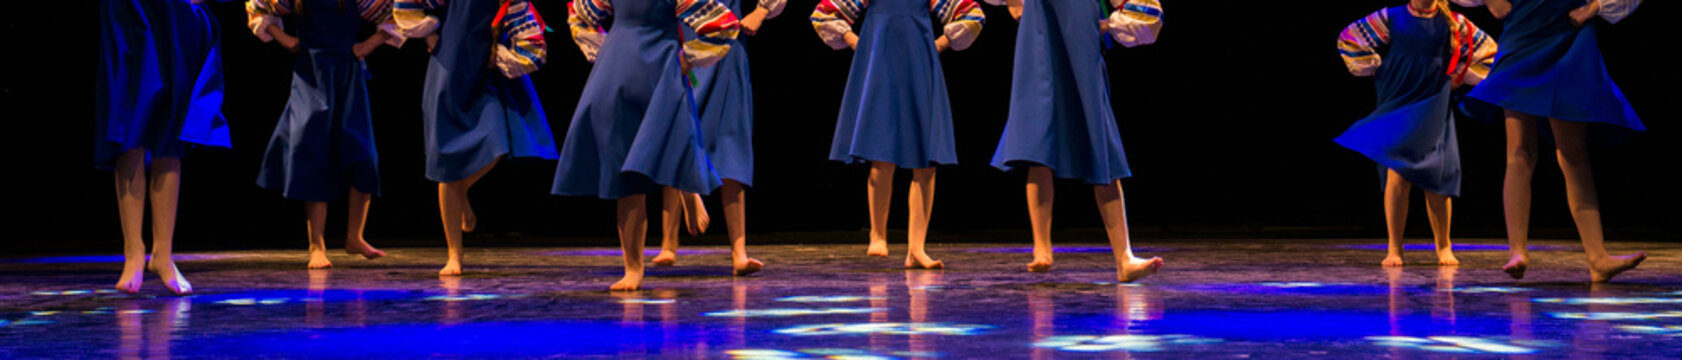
(1227, 120)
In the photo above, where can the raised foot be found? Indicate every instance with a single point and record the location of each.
(878, 248)
(1137, 268)
(1604, 269)
(134, 273)
(451, 268)
(171, 277)
(631, 282)
(469, 220)
(749, 266)
(697, 218)
(1393, 260)
(1515, 266)
(1040, 265)
(666, 258)
(361, 247)
(318, 259)
(1446, 258)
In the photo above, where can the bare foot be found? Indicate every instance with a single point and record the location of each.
(631, 282)
(1446, 258)
(1515, 267)
(1137, 268)
(134, 272)
(1393, 260)
(361, 247)
(318, 259)
(451, 268)
(878, 248)
(1604, 269)
(922, 261)
(696, 215)
(1040, 265)
(469, 220)
(171, 277)
(666, 258)
(743, 268)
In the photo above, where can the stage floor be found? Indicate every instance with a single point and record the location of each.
(1213, 299)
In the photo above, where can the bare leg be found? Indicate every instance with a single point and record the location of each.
(1585, 203)
(469, 219)
(1441, 209)
(1396, 191)
(1521, 166)
(166, 189)
(355, 221)
(1114, 210)
(633, 228)
(452, 200)
(1040, 197)
(131, 210)
(695, 213)
(921, 205)
(735, 219)
(881, 185)
(315, 216)
(671, 213)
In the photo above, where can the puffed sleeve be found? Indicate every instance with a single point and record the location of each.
(586, 18)
(963, 20)
(260, 15)
(520, 48)
(1616, 10)
(773, 7)
(1359, 43)
(833, 19)
(715, 27)
(412, 20)
(1475, 51)
(379, 13)
(1135, 22)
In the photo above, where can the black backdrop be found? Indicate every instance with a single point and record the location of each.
(1228, 121)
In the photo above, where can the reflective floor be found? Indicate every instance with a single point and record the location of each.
(1214, 299)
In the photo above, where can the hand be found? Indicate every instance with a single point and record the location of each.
(1586, 13)
(1498, 8)
(1015, 7)
(751, 23)
(431, 42)
(683, 62)
(362, 49)
(941, 43)
(287, 41)
(1103, 26)
(852, 41)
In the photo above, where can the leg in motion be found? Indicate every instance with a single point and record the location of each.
(1114, 211)
(452, 199)
(315, 216)
(671, 213)
(1570, 137)
(633, 227)
(166, 188)
(469, 219)
(735, 219)
(1515, 192)
(695, 213)
(355, 221)
(1396, 192)
(131, 210)
(1040, 198)
(921, 205)
(881, 189)
(1441, 209)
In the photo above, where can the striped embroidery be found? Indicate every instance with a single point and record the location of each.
(833, 20)
(715, 27)
(963, 21)
(1359, 42)
(520, 47)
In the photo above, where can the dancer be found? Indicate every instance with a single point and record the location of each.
(895, 112)
(324, 141)
(636, 128)
(1061, 124)
(479, 106)
(725, 95)
(159, 91)
(1549, 68)
(1417, 54)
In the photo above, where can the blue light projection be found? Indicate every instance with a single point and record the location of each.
(828, 299)
(1124, 342)
(793, 312)
(648, 301)
(1609, 301)
(1667, 330)
(1608, 315)
(1460, 344)
(1487, 290)
(72, 292)
(822, 353)
(288, 296)
(1303, 324)
(884, 328)
(1293, 288)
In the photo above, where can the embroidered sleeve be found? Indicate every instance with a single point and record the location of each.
(1359, 43)
(412, 20)
(1616, 10)
(715, 27)
(587, 18)
(773, 7)
(1475, 47)
(963, 20)
(260, 15)
(520, 48)
(833, 19)
(1136, 22)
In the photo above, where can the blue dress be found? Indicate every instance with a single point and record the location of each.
(725, 92)
(634, 128)
(895, 108)
(159, 80)
(1412, 130)
(324, 140)
(472, 113)
(1060, 114)
(1548, 68)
